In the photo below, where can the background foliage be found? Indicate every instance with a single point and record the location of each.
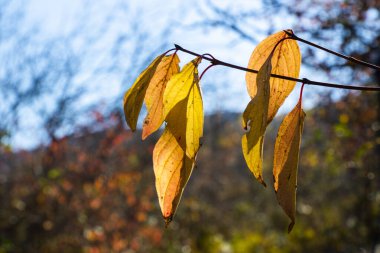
(94, 192)
(90, 186)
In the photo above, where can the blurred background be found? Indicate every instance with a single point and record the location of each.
(73, 178)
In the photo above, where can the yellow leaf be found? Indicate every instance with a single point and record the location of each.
(286, 61)
(179, 85)
(175, 152)
(254, 155)
(172, 167)
(285, 164)
(155, 91)
(172, 170)
(255, 116)
(134, 97)
(194, 126)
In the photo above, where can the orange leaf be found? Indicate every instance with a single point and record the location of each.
(286, 61)
(172, 168)
(134, 97)
(155, 92)
(285, 164)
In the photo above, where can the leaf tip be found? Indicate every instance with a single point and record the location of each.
(145, 133)
(133, 129)
(290, 227)
(261, 180)
(167, 220)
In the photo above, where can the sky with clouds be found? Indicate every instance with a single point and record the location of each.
(223, 88)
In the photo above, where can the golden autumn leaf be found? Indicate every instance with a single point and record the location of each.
(179, 85)
(168, 67)
(285, 164)
(255, 116)
(172, 169)
(134, 97)
(286, 61)
(175, 152)
(194, 126)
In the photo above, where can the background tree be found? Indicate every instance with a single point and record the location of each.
(44, 75)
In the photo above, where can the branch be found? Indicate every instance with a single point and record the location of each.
(215, 61)
(348, 58)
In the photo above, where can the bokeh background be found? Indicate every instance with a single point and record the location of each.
(73, 178)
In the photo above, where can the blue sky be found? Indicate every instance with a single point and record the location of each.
(223, 88)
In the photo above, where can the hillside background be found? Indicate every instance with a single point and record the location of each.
(94, 191)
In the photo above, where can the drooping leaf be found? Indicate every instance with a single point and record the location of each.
(172, 169)
(134, 97)
(285, 164)
(255, 116)
(175, 152)
(194, 126)
(168, 67)
(286, 61)
(179, 85)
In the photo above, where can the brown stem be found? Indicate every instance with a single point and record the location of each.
(348, 58)
(215, 61)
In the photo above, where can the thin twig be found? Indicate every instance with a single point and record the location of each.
(348, 58)
(215, 61)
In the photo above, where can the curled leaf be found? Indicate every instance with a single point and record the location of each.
(255, 116)
(286, 61)
(194, 126)
(285, 164)
(134, 97)
(168, 67)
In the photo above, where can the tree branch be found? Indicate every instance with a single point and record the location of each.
(348, 58)
(215, 61)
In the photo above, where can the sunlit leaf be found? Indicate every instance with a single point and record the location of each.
(194, 126)
(175, 152)
(172, 168)
(179, 86)
(154, 94)
(134, 97)
(285, 164)
(255, 116)
(286, 61)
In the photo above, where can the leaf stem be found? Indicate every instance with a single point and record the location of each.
(348, 58)
(170, 51)
(215, 61)
(301, 94)
(204, 71)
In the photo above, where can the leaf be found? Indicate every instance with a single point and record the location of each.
(255, 116)
(179, 85)
(285, 165)
(172, 168)
(154, 94)
(175, 152)
(134, 97)
(286, 61)
(194, 126)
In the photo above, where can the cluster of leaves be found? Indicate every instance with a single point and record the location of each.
(174, 96)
